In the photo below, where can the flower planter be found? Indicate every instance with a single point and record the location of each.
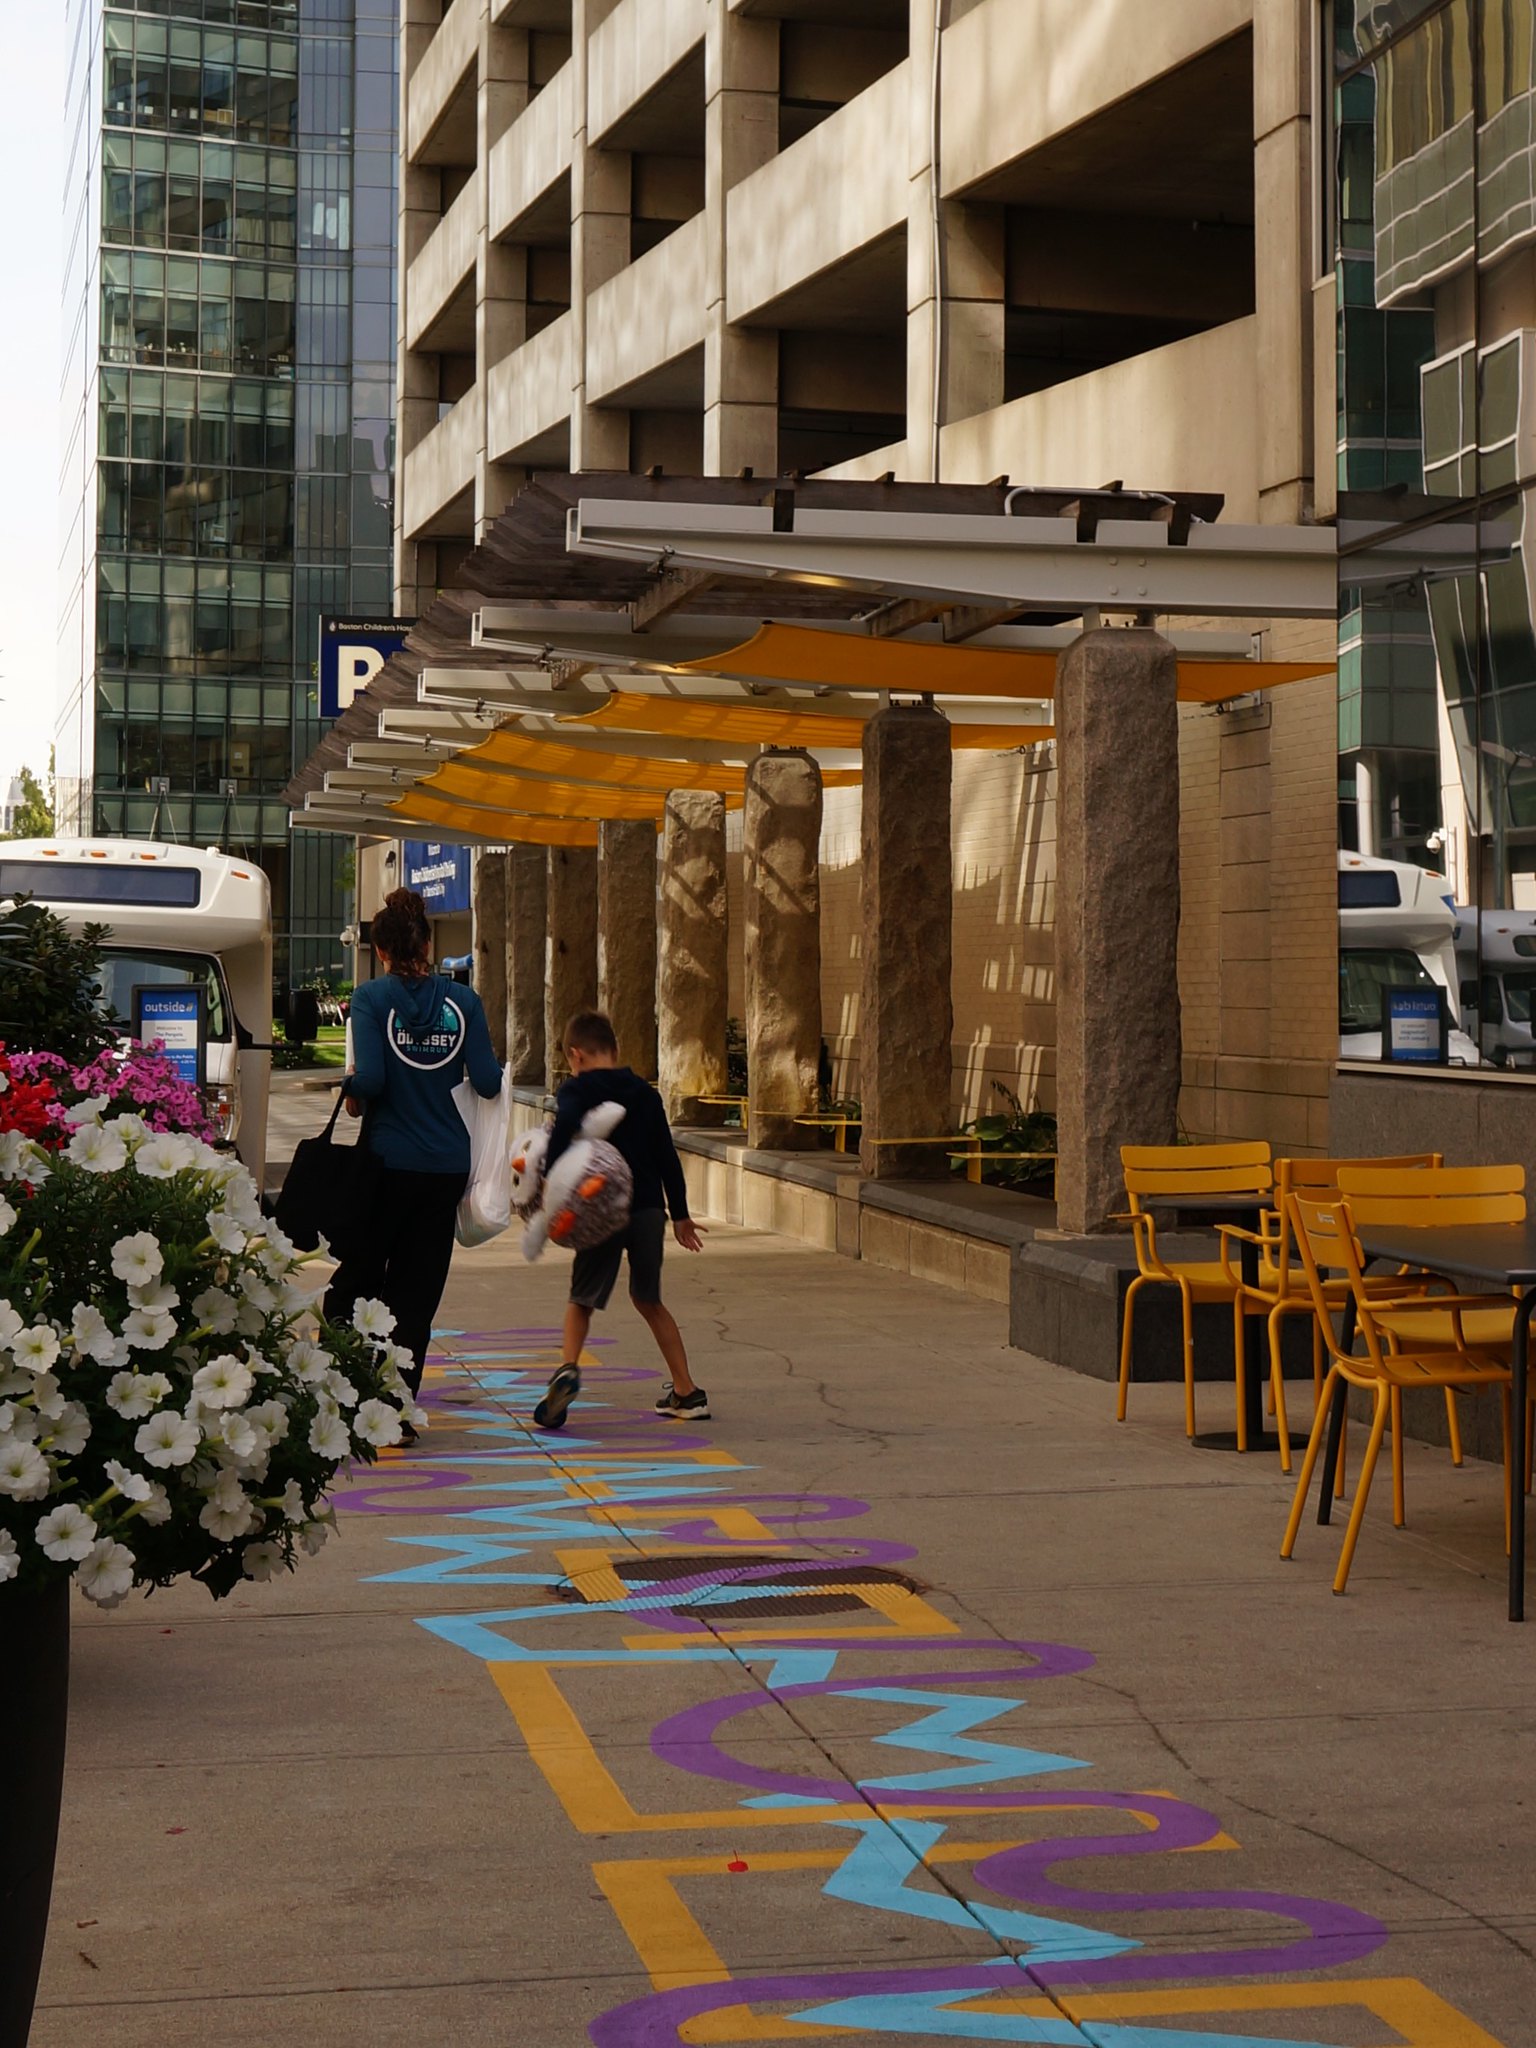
(34, 1700)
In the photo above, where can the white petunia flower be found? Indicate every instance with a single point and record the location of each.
(148, 1329)
(7, 1217)
(90, 1111)
(157, 1509)
(329, 1438)
(128, 1127)
(217, 1309)
(13, 1382)
(134, 1394)
(377, 1423)
(66, 1533)
(315, 1535)
(250, 1321)
(224, 1382)
(163, 1155)
(35, 1349)
(71, 1432)
(373, 1319)
(21, 1160)
(96, 1150)
(242, 1202)
(168, 1439)
(416, 1415)
(22, 1423)
(10, 1556)
(262, 1561)
(234, 1431)
(138, 1259)
(47, 1395)
(226, 1233)
(291, 1502)
(91, 1333)
(25, 1473)
(10, 1325)
(131, 1485)
(307, 1361)
(340, 1389)
(106, 1576)
(159, 1297)
(226, 1523)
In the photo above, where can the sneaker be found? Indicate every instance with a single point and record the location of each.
(561, 1392)
(693, 1407)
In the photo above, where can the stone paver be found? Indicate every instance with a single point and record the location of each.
(971, 1715)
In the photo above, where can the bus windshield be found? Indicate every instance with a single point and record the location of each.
(124, 969)
(1519, 992)
(1363, 974)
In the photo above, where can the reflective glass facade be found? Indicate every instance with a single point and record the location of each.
(1435, 210)
(230, 373)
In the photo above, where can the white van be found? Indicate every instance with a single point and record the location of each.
(1496, 950)
(1397, 929)
(176, 915)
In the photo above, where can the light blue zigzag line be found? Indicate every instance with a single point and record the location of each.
(933, 2017)
(942, 1733)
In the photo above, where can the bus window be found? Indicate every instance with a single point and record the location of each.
(122, 972)
(1492, 1007)
(1519, 992)
(1363, 974)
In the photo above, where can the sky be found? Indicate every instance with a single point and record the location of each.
(31, 263)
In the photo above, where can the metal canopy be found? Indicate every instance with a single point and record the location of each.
(619, 633)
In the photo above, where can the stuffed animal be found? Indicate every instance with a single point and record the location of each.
(587, 1196)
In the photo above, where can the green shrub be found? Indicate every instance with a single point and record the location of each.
(50, 991)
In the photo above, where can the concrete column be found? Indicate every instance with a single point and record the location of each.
(1284, 36)
(488, 911)
(1117, 921)
(600, 231)
(626, 937)
(570, 975)
(906, 1021)
(501, 271)
(527, 923)
(692, 966)
(741, 129)
(783, 911)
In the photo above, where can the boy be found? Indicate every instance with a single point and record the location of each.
(645, 1140)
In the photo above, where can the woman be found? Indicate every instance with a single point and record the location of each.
(415, 1034)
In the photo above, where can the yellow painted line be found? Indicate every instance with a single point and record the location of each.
(1417, 2014)
(593, 1575)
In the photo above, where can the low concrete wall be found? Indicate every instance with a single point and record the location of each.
(1471, 1116)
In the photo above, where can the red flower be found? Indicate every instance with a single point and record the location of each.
(27, 1106)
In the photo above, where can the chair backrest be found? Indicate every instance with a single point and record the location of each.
(1319, 1178)
(1172, 1172)
(1441, 1197)
(1325, 1238)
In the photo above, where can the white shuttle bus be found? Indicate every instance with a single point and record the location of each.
(176, 916)
(1501, 995)
(1397, 929)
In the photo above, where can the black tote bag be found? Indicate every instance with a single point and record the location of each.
(329, 1191)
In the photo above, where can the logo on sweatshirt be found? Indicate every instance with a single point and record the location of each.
(426, 1049)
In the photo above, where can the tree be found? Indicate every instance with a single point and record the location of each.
(34, 814)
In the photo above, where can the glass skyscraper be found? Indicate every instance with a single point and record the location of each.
(229, 371)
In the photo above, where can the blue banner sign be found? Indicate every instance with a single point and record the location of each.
(352, 651)
(1415, 1026)
(439, 875)
(176, 1016)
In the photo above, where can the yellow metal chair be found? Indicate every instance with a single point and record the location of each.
(1282, 1289)
(1326, 1240)
(1183, 1173)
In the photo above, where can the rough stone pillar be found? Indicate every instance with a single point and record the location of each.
(626, 937)
(906, 1020)
(570, 975)
(1117, 913)
(527, 923)
(692, 965)
(782, 839)
(488, 915)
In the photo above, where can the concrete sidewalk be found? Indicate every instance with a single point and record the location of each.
(910, 1699)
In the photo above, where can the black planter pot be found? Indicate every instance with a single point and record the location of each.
(34, 1712)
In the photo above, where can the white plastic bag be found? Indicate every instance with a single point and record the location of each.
(485, 1208)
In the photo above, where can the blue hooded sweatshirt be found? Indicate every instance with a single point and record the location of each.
(412, 1043)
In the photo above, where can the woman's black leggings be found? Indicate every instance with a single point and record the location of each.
(406, 1260)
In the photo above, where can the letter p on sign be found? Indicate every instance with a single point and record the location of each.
(356, 667)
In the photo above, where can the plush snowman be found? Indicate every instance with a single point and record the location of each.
(587, 1196)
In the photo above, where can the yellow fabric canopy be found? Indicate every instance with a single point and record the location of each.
(421, 808)
(766, 726)
(806, 654)
(601, 765)
(499, 789)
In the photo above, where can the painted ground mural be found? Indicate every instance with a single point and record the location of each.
(1046, 1907)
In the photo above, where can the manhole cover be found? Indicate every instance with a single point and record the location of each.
(764, 1585)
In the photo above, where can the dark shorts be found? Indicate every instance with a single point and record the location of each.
(596, 1269)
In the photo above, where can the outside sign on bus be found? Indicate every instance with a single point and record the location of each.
(1415, 1026)
(438, 874)
(352, 651)
(176, 1017)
